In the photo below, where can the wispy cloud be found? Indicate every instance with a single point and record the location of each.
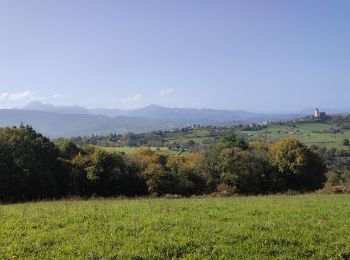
(16, 96)
(132, 102)
(12, 99)
(57, 96)
(166, 91)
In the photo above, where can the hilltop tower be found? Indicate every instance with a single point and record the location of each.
(317, 113)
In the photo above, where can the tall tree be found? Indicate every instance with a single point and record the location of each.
(300, 168)
(30, 165)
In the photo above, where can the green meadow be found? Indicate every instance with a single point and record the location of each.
(266, 227)
(311, 133)
(308, 133)
(197, 135)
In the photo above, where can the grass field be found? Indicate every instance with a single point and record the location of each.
(279, 227)
(197, 135)
(309, 133)
(305, 132)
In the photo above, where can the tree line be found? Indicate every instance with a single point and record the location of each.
(154, 138)
(32, 167)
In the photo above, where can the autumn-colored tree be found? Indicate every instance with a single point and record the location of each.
(146, 156)
(32, 167)
(188, 174)
(159, 181)
(300, 168)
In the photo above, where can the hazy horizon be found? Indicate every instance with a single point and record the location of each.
(302, 111)
(259, 56)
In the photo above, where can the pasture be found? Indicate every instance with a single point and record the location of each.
(266, 227)
(198, 135)
(322, 134)
(309, 133)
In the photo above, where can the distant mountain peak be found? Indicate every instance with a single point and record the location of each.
(56, 120)
(36, 104)
(39, 106)
(151, 106)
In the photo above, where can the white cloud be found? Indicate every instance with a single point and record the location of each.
(57, 96)
(15, 99)
(25, 95)
(131, 102)
(131, 99)
(165, 92)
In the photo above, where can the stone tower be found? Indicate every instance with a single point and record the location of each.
(317, 113)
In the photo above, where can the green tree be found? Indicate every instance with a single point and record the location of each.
(245, 172)
(211, 163)
(97, 172)
(30, 166)
(68, 150)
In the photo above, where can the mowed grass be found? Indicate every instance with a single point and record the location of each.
(305, 132)
(270, 227)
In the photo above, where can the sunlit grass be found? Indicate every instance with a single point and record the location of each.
(305, 132)
(284, 227)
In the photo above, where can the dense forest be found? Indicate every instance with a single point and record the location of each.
(32, 167)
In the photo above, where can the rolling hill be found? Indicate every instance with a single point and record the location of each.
(56, 121)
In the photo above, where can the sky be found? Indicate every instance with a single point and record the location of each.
(255, 55)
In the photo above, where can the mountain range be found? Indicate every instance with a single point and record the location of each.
(65, 121)
(151, 111)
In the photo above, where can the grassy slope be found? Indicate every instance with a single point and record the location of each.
(197, 135)
(304, 132)
(293, 227)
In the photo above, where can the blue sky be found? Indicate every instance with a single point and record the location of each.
(256, 55)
